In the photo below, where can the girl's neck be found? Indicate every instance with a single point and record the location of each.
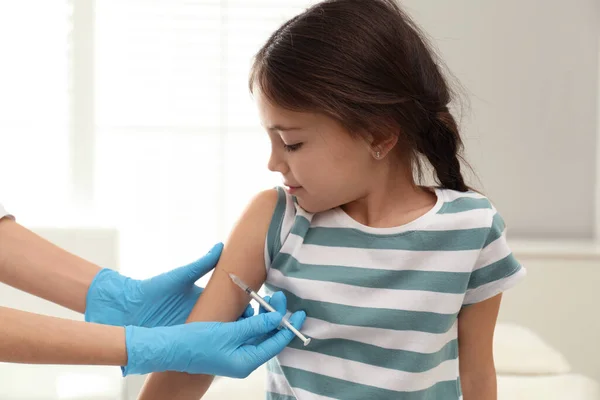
(393, 199)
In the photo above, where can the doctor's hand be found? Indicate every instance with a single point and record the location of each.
(232, 349)
(164, 300)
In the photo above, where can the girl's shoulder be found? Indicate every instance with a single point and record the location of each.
(455, 201)
(471, 215)
(463, 210)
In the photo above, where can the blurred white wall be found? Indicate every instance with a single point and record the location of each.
(530, 70)
(559, 301)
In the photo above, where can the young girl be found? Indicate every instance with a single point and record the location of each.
(399, 281)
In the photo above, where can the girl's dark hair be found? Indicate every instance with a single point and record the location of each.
(366, 64)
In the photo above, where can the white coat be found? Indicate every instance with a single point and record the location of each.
(3, 212)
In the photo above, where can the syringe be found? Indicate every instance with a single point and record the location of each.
(267, 306)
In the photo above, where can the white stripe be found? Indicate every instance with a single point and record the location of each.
(471, 219)
(267, 258)
(326, 219)
(278, 384)
(366, 374)
(493, 252)
(421, 342)
(451, 195)
(491, 289)
(293, 243)
(288, 217)
(394, 260)
(303, 213)
(330, 292)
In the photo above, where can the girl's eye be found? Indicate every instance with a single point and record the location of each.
(292, 147)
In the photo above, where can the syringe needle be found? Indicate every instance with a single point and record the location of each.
(267, 306)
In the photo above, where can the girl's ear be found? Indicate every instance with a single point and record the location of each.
(380, 147)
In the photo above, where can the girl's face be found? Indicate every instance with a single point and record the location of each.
(319, 161)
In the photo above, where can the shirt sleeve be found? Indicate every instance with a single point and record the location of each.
(496, 269)
(3, 212)
(280, 226)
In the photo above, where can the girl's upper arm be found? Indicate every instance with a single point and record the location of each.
(476, 325)
(243, 255)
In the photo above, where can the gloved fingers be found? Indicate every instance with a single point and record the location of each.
(275, 344)
(297, 319)
(261, 309)
(279, 302)
(257, 326)
(248, 312)
(187, 275)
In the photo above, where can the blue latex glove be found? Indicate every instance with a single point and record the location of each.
(213, 348)
(279, 303)
(163, 300)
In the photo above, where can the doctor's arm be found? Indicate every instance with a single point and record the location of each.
(34, 265)
(39, 339)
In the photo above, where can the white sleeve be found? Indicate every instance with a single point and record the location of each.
(3, 212)
(496, 270)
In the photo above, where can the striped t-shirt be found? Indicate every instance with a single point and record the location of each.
(382, 303)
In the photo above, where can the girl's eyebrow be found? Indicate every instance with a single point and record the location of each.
(283, 128)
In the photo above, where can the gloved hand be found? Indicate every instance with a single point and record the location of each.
(163, 300)
(279, 303)
(213, 348)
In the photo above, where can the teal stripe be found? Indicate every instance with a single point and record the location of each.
(342, 389)
(463, 204)
(277, 396)
(274, 232)
(494, 272)
(301, 225)
(496, 230)
(401, 360)
(274, 368)
(450, 240)
(433, 281)
(400, 320)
